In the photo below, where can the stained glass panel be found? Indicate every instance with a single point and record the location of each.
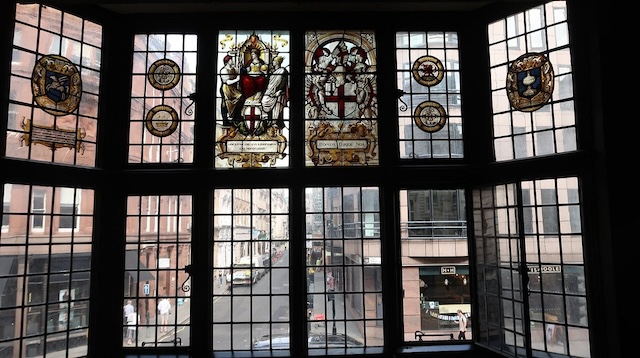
(54, 87)
(532, 84)
(252, 104)
(341, 98)
(162, 107)
(429, 102)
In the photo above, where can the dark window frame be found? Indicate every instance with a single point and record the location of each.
(135, 176)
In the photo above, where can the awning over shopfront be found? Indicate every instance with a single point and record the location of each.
(62, 268)
(138, 271)
(8, 267)
(444, 270)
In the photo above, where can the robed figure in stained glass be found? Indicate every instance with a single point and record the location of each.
(254, 86)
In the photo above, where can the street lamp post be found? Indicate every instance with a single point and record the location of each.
(329, 266)
(146, 301)
(334, 331)
(332, 297)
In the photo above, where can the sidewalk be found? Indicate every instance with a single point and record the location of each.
(147, 333)
(324, 308)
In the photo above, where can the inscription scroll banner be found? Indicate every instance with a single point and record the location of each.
(251, 151)
(241, 146)
(52, 136)
(341, 144)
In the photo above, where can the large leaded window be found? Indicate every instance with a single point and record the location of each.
(341, 98)
(531, 83)
(533, 275)
(252, 103)
(433, 226)
(157, 250)
(430, 108)
(54, 87)
(332, 231)
(162, 112)
(344, 272)
(251, 271)
(529, 233)
(44, 271)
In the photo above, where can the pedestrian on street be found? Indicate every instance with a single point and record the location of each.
(126, 310)
(462, 325)
(331, 283)
(164, 307)
(132, 320)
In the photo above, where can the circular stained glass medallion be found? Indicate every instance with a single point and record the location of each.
(56, 85)
(164, 74)
(162, 120)
(428, 71)
(430, 116)
(530, 82)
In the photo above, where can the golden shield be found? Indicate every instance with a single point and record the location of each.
(56, 85)
(530, 82)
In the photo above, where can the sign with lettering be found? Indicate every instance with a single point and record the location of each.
(545, 269)
(448, 270)
(373, 260)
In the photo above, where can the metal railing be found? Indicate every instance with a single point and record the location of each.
(419, 335)
(452, 229)
(173, 342)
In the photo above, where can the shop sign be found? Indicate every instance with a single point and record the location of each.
(448, 270)
(372, 260)
(545, 269)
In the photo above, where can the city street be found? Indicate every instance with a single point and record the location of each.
(151, 336)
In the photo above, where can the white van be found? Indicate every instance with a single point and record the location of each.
(249, 270)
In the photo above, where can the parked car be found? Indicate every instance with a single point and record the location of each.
(272, 342)
(314, 341)
(333, 340)
(249, 269)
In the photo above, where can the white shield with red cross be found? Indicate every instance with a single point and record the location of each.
(251, 115)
